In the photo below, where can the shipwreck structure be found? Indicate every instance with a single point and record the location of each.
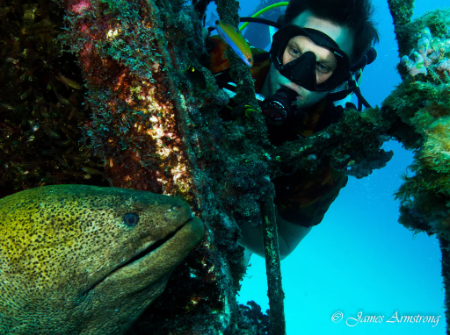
(107, 92)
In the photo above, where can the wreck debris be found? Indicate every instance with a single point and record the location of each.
(421, 105)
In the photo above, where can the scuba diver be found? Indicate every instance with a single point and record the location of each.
(316, 58)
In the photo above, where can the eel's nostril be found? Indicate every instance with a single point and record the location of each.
(183, 209)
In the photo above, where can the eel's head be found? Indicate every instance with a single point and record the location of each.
(138, 239)
(100, 255)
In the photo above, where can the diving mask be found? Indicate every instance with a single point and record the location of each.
(302, 70)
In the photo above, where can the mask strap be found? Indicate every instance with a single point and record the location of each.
(353, 88)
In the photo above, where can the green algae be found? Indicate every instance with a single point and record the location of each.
(421, 104)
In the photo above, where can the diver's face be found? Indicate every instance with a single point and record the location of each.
(325, 60)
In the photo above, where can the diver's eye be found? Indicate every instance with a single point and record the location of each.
(322, 68)
(294, 52)
(131, 219)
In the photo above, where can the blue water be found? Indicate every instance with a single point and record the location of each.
(360, 259)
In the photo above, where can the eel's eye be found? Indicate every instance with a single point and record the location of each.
(131, 219)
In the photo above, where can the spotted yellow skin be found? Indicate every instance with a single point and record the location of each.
(63, 251)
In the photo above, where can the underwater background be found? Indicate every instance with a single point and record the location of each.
(360, 259)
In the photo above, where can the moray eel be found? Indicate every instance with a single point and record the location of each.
(78, 259)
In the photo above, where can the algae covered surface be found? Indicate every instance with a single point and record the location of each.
(108, 102)
(42, 105)
(422, 104)
(102, 93)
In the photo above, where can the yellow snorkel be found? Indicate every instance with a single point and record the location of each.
(262, 11)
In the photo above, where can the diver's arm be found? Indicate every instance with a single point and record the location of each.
(289, 236)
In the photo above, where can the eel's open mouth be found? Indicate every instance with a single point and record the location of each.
(139, 255)
(153, 247)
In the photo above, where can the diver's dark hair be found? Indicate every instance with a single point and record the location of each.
(354, 14)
